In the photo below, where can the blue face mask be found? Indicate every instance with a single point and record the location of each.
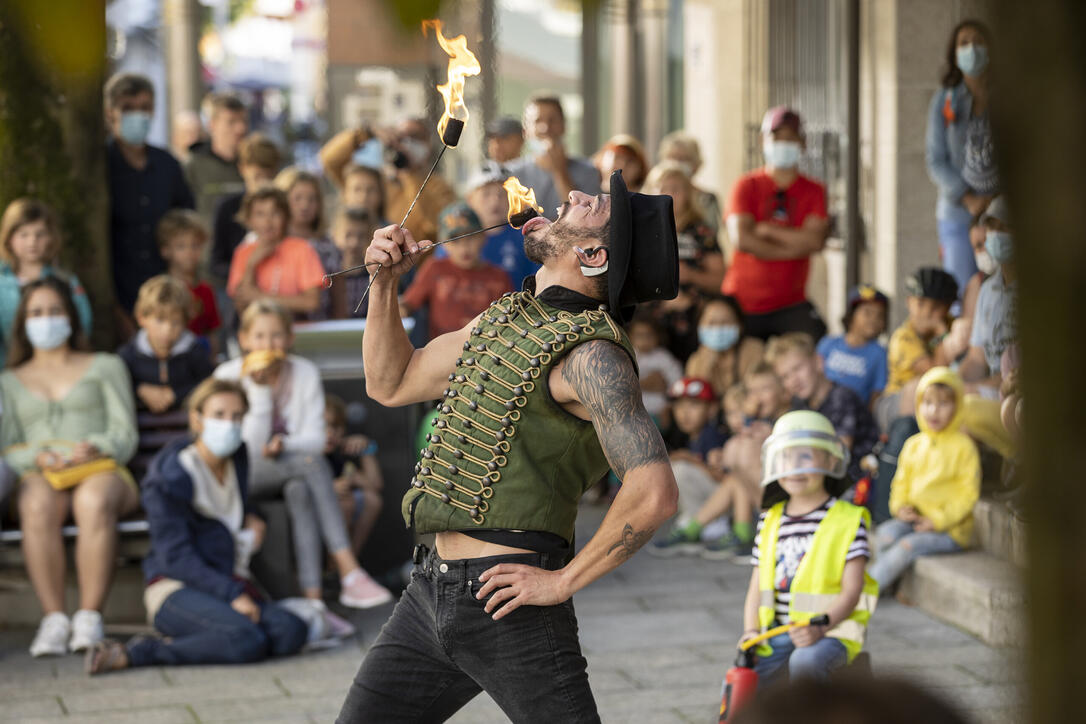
(370, 154)
(135, 125)
(972, 59)
(719, 337)
(781, 154)
(48, 332)
(221, 437)
(999, 245)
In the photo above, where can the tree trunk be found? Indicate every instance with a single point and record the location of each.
(1039, 103)
(52, 69)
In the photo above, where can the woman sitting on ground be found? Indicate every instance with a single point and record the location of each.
(67, 430)
(203, 533)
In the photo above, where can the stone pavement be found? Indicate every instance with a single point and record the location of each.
(658, 636)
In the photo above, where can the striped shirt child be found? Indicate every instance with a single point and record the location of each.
(793, 541)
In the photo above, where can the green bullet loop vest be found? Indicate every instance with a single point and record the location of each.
(503, 455)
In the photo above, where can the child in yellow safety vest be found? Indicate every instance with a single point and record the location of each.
(810, 554)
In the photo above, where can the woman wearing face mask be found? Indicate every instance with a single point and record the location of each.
(203, 533)
(959, 149)
(67, 430)
(724, 352)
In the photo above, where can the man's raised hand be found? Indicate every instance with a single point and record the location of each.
(395, 250)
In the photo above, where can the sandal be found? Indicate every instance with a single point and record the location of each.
(105, 656)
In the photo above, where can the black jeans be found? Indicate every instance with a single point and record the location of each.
(802, 317)
(440, 649)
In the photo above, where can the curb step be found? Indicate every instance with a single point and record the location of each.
(975, 591)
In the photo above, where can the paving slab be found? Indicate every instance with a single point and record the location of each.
(658, 636)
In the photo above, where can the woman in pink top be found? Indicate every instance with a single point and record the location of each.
(270, 264)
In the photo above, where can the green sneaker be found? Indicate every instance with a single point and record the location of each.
(678, 542)
(726, 548)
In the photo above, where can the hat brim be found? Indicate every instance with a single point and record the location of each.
(618, 246)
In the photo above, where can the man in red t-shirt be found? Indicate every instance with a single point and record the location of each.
(776, 219)
(458, 286)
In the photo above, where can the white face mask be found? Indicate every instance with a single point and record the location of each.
(781, 154)
(48, 332)
(222, 437)
(985, 262)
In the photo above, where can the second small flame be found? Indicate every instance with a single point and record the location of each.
(521, 198)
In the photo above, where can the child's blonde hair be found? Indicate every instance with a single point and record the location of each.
(214, 386)
(673, 169)
(759, 369)
(262, 307)
(290, 177)
(789, 342)
(162, 295)
(26, 211)
(180, 221)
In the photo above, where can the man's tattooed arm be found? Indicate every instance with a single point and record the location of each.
(630, 541)
(603, 378)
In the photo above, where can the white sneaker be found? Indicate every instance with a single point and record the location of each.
(52, 636)
(86, 630)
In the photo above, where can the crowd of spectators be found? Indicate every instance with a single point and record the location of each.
(214, 261)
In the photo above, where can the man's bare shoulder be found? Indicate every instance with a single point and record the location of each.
(601, 377)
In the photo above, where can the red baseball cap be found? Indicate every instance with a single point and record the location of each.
(694, 388)
(779, 116)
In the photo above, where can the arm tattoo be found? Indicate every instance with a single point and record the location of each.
(630, 541)
(603, 377)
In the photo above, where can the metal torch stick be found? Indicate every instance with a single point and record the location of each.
(449, 137)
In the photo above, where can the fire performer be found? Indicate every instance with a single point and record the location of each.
(539, 396)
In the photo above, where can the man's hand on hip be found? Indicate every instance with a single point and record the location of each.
(515, 585)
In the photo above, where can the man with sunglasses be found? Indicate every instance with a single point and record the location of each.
(776, 219)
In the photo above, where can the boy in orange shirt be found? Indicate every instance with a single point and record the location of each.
(282, 268)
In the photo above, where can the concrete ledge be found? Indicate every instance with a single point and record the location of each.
(1000, 532)
(19, 607)
(974, 591)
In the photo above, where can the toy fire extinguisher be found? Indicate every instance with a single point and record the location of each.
(741, 682)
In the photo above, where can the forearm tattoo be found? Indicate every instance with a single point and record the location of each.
(603, 377)
(630, 541)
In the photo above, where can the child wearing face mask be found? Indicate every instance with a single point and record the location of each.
(285, 435)
(165, 359)
(855, 359)
(29, 247)
(936, 484)
(724, 354)
(203, 533)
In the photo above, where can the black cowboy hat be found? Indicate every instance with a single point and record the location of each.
(643, 251)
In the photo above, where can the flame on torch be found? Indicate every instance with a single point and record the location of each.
(462, 63)
(522, 205)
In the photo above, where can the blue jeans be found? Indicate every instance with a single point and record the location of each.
(809, 662)
(202, 629)
(897, 545)
(440, 649)
(957, 252)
